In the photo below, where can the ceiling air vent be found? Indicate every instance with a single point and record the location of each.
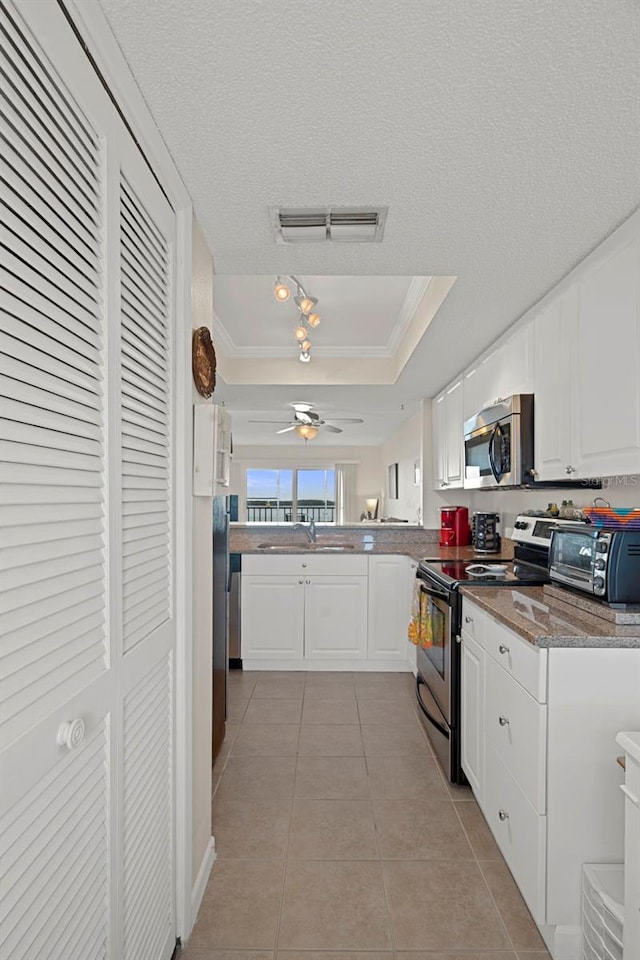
(342, 225)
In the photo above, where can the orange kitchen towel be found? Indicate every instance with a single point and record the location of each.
(420, 631)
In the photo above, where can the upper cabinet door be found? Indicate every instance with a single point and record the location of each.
(454, 435)
(554, 334)
(607, 388)
(438, 442)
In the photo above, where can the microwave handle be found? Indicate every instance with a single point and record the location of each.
(497, 432)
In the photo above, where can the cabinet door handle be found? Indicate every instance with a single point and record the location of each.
(443, 483)
(300, 581)
(307, 581)
(304, 565)
(468, 619)
(503, 649)
(503, 721)
(570, 469)
(503, 815)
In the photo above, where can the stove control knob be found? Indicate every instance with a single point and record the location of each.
(602, 546)
(600, 563)
(598, 584)
(520, 525)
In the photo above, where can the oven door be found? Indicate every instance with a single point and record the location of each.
(491, 454)
(434, 657)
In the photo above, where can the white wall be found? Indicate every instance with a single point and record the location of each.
(201, 313)
(404, 447)
(270, 456)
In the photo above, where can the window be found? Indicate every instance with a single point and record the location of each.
(290, 495)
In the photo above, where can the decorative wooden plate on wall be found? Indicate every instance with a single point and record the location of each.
(203, 361)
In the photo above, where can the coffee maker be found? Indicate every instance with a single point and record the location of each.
(485, 536)
(454, 527)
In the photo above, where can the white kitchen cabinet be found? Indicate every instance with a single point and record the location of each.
(587, 357)
(273, 617)
(547, 783)
(630, 743)
(555, 333)
(472, 706)
(506, 369)
(301, 609)
(447, 412)
(335, 618)
(391, 581)
(211, 449)
(606, 395)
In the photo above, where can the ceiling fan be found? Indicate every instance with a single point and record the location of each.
(307, 424)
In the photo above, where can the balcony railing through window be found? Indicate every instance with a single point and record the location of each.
(266, 511)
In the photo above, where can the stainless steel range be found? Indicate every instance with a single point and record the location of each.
(438, 661)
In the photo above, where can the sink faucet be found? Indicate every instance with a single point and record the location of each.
(310, 530)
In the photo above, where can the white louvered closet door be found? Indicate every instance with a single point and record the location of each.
(146, 229)
(86, 575)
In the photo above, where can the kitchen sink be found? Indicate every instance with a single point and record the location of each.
(300, 547)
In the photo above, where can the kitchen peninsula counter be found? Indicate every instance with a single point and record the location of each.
(533, 615)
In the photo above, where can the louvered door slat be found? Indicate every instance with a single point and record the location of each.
(148, 747)
(35, 140)
(36, 874)
(44, 331)
(21, 637)
(44, 252)
(41, 512)
(19, 361)
(29, 182)
(26, 174)
(26, 433)
(23, 655)
(27, 277)
(26, 403)
(50, 93)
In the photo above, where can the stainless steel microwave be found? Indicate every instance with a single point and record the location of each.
(498, 444)
(604, 563)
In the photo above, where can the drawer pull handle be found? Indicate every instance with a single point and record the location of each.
(503, 815)
(307, 581)
(503, 721)
(503, 649)
(300, 581)
(304, 564)
(468, 619)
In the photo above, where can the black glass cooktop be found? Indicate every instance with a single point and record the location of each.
(493, 572)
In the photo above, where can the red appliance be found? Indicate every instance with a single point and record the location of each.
(454, 527)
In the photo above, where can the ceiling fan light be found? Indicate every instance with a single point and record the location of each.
(307, 431)
(300, 333)
(313, 319)
(281, 290)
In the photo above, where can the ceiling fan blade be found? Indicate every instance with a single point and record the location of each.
(330, 429)
(348, 419)
(286, 429)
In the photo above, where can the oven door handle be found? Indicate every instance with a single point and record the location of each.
(441, 727)
(497, 432)
(428, 587)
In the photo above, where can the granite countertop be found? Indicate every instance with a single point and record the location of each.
(417, 543)
(535, 617)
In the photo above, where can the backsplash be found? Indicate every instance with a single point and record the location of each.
(619, 491)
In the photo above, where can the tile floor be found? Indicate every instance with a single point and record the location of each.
(339, 839)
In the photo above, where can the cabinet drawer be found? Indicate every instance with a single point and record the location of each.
(516, 727)
(305, 563)
(520, 833)
(528, 664)
(473, 621)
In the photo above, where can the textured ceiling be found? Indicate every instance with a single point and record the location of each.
(504, 136)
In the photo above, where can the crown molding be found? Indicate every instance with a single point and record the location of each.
(417, 289)
(415, 293)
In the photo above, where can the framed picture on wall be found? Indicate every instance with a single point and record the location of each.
(392, 483)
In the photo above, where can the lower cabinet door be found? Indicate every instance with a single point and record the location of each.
(472, 715)
(520, 832)
(391, 580)
(335, 618)
(272, 617)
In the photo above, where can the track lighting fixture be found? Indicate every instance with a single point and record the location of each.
(305, 305)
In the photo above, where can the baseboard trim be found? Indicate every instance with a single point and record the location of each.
(361, 666)
(197, 893)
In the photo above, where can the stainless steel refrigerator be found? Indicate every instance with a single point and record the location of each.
(220, 618)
